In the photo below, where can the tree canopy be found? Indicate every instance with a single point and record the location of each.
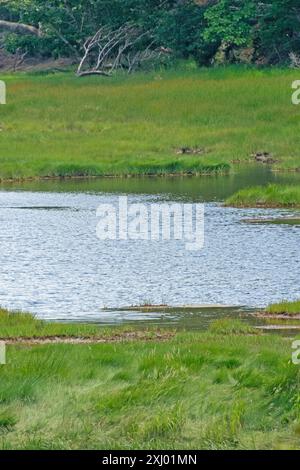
(269, 31)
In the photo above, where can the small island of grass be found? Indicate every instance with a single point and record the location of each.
(272, 195)
(284, 308)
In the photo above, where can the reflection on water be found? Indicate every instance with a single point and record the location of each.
(189, 188)
(52, 263)
(183, 318)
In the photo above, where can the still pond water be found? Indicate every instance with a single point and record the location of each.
(53, 264)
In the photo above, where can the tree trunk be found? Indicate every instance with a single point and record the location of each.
(92, 72)
(19, 28)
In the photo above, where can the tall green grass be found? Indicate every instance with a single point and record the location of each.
(59, 125)
(285, 308)
(223, 389)
(266, 196)
(19, 324)
(195, 392)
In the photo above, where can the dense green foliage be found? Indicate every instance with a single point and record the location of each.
(198, 29)
(66, 24)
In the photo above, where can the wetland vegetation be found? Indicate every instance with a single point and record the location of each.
(59, 126)
(230, 387)
(284, 308)
(266, 196)
(210, 96)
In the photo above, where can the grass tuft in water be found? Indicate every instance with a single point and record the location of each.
(284, 308)
(266, 196)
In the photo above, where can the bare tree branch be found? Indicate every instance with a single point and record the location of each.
(108, 50)
(19, 59)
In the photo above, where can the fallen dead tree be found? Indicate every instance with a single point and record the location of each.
(124, 48)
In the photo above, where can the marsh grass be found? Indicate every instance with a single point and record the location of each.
(266, 196)
(230, 326)
(59, 125)
(284, 308)
(16, 324)
(224, 389)
(25, 325)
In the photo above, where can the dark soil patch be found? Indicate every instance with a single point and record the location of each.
(278, 316)
(116, 338)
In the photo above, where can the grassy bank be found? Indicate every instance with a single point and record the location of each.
(266, 196)
(14, 325)
(24, 325)
(284, 308)
(59, 125)
(224, 389)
